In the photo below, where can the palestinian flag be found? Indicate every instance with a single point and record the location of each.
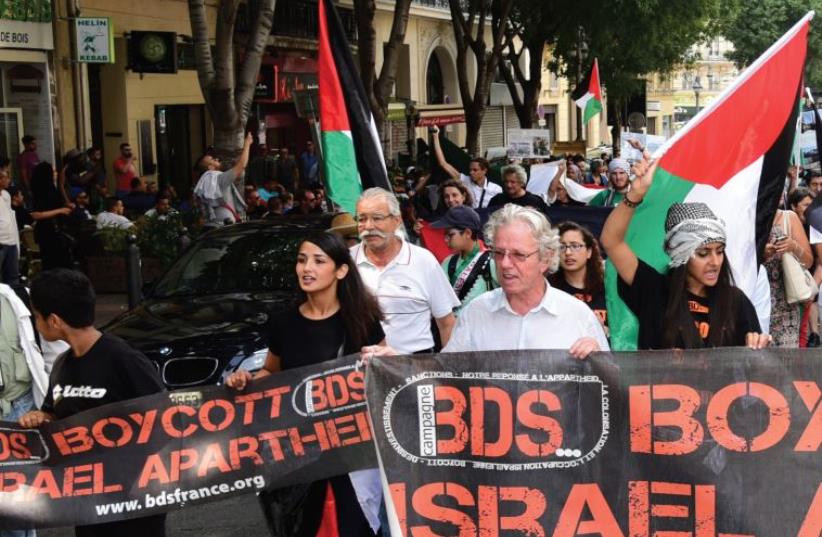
(733, 156)
(351, 152)
(588, 94)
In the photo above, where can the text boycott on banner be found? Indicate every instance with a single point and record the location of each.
(169, 450)
(697, 443)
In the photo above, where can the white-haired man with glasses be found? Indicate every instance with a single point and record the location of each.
(525, 312)
(406, 279)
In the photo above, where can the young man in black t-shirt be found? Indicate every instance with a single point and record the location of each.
(98, 369)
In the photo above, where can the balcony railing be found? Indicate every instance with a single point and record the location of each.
(296, 18)
(442, 4)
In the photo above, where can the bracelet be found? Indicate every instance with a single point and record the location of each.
(632, 204)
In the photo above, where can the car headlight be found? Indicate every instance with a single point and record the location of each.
(254, 362)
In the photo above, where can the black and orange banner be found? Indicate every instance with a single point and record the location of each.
(163, 452)
(722, 443)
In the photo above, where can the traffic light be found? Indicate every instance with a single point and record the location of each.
(152, 52)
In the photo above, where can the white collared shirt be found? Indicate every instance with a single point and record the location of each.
(490, 189)
(488, 324)
(411, 289)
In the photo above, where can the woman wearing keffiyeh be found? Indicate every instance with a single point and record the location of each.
(695, 304)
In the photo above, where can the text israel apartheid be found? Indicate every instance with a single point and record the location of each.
(687, 444)
(165, 451)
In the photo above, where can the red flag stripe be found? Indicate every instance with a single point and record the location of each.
(746, 124)
(593, 86)
(333, 112)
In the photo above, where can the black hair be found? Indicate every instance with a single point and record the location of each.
(13, 190)
(798, 195)
(135, 182)
(483, 163)
(111, 202)
(65, 293)
(27, 139)
(124, 145)
(359, 309)
(161, 196)
(42, 182)
(4, 162)
(594, 272)
(680, 329)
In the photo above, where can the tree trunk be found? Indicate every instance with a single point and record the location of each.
(228, 93)
(378, 88)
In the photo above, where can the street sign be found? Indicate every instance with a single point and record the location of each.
(95, 40)
(541, 122)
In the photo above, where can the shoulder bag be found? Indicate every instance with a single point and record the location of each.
(799, 283)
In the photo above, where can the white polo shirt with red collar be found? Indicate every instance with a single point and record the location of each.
(411, 289)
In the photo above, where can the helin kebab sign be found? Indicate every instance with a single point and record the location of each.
(666, 444)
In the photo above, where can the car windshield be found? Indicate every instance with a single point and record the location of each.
(231, 263)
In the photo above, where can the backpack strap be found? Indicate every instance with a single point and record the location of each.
(452, 266)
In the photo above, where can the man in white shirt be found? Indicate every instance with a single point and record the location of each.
(9, 235)
(482, 190)
(525, 312)
(220, 192)
(406, 279)
(113, 215)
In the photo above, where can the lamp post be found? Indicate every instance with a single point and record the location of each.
(580, 55)
(697, 87)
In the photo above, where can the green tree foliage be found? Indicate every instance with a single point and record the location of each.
(754, 26)
(632, 38)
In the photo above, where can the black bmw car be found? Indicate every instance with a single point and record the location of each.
(208, 314)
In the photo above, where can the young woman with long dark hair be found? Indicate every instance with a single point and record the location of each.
(695, 304)
(581, 273)
(337, 316)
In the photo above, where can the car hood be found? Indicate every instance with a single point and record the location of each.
(189, 319)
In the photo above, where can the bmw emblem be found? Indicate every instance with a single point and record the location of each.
(165, 351)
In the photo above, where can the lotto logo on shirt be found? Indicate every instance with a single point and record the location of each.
(69, 391)
(480, 419)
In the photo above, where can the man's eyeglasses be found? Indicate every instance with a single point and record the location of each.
(574, 247)
(516, 257)
(376, 218)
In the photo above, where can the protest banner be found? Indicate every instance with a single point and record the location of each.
(696, 443)
(163, 452)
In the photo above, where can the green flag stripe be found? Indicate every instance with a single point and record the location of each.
(592, 108)
(340, 167)
(645, 236)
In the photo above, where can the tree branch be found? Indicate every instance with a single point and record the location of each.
(257, 39)
(388, 72)
(202, 49)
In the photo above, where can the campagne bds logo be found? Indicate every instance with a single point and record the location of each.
(22, 446)
(497, 421)
(331, 391)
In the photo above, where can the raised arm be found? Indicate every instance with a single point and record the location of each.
(613, 233)
(552, 187)
(242, 162)
(450, 170)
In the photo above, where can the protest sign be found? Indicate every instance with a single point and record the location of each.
(717, 443)
(650, 142)
(529, 143)
(165, 451)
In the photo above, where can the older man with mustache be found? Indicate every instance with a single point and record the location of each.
(407, 279)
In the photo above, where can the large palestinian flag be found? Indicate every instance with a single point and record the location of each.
(351, 151)
(733, 156)
(588, 94)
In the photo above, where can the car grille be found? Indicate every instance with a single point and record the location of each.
(190, 371)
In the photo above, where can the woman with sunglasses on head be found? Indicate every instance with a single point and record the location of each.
(338, 316)
(694, 305)
(581, 273)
